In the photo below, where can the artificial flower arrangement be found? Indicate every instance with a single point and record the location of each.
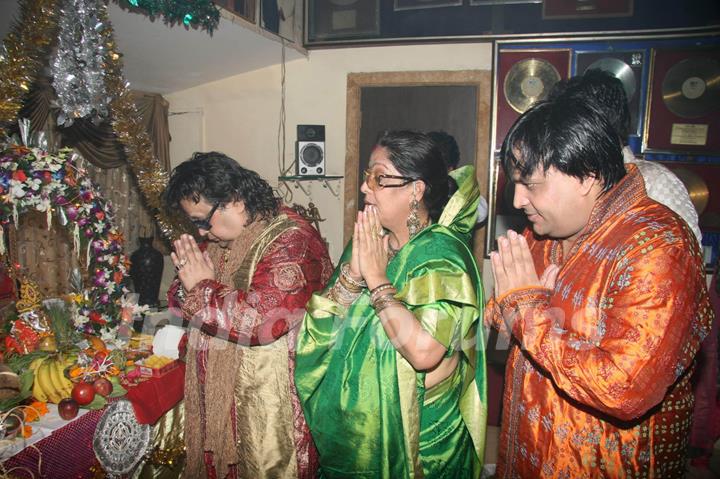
(32, 178)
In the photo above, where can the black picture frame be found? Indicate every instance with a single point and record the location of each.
(342, 19)
(246, 9)
(479, 3)
(400, 5)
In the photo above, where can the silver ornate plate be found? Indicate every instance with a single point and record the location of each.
(120, 442)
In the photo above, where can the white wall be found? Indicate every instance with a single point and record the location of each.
(241, 114)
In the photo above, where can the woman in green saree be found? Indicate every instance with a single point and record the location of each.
(390, 360)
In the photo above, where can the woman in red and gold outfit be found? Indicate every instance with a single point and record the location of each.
(243, 293)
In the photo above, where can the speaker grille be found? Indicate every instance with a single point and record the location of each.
(311, 154)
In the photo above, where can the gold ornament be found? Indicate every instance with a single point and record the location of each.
(30, 296)
(26, 47)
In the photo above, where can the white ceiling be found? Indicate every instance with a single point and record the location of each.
(163, 59)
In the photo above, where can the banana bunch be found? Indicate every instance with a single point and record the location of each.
(50, 383)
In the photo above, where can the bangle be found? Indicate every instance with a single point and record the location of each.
(379, 289)
(352, 283)
(385, 301)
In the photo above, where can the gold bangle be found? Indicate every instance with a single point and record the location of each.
(384, 302)
(379, 289)
(345, 273)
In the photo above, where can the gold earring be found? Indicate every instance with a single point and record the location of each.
(413, 221)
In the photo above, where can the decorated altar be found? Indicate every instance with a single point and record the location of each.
(81, 393)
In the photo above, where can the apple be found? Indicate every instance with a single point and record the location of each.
(103, 386)
(68, 408)
(83, 393)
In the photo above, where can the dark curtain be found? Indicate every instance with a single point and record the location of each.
(98, 143)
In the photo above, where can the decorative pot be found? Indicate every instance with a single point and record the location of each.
(146, 267)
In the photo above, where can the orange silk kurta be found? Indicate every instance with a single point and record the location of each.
(601, 387)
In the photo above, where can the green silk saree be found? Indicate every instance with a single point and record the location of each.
(368, 410)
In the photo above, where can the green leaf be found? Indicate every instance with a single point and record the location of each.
(98, 403)
(26, 381)
(118, 391)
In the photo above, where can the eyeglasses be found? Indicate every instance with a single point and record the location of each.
(204, 224)
(375, 181)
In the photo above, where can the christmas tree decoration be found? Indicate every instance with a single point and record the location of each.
(23, 53)
(77, 63)
(150, 176)
(191, 13)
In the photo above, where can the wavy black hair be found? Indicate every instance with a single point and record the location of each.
(416, 155)
(448, 148)
(604, 91)
(219, 179)
(568, 134)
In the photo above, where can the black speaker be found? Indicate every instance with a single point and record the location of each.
(310, 150)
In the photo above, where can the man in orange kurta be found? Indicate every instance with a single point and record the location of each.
(606, 303)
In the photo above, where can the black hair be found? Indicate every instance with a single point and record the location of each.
(448, 148)
(567, 134)
(602, 89)
(417, 156)
(220, 179)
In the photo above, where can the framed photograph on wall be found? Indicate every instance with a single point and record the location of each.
(475, 3)
(243, 8)
(553, 9)
(417, 4)
(342, 19)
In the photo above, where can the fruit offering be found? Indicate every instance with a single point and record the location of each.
(50, 383)
(103, 387)
(68, 408)
(83, 393)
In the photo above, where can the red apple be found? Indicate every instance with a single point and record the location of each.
(83, 393)
(103, 386)
(68, 408)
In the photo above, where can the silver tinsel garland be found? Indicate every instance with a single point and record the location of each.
(77, 66)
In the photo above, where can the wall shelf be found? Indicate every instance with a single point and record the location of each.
(297, 182)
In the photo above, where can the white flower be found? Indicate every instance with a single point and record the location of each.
(79, 320)
(17, 189)
(34, 183)
(43, 204)
(106, 334)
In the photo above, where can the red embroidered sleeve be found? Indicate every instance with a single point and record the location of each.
(293, 267)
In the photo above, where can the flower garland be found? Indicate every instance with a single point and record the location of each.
(33, 179)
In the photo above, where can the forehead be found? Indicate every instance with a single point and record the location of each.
(538, 174)
(380, 157)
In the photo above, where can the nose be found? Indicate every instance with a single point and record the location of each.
(364, 188)
(519, 197)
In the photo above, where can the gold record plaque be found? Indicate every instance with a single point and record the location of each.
(529, 81)
(684, 102)
(523, 77)
(691, 87)
(697, 188)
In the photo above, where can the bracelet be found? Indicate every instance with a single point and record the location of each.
(385, 301)
(379, 289)
(345, 274)
(347, 285)
(341, 295)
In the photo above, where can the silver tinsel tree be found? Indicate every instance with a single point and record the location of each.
(77, 64)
